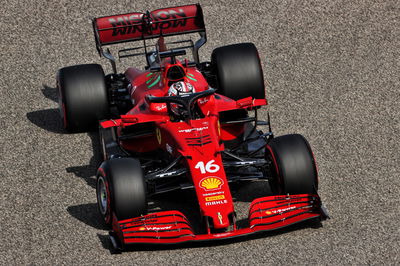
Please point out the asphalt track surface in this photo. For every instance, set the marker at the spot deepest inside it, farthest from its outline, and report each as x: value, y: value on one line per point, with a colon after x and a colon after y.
x: 332, y: 71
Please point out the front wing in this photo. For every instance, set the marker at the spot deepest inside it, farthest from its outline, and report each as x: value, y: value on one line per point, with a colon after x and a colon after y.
x: 172, y: 227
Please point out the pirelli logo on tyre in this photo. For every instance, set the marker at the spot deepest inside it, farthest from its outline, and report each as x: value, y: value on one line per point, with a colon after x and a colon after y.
x: 219, y: 197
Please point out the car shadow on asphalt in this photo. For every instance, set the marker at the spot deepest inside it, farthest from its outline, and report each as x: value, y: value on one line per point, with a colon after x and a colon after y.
x: 88, y: 214
x: 50, y: 93
x: 48, y: 119
x: 88, y: 172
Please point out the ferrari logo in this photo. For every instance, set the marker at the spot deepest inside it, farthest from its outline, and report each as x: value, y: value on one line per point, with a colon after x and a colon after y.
x: 158, y: 134
x: 220, y: 218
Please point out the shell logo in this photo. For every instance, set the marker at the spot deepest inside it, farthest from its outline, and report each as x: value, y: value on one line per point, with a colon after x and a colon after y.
x: 211, y: 183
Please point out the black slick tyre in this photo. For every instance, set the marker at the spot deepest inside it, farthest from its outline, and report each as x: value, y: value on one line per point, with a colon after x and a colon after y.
x: 121, y: 189
x: 83, y: 98
x: 293, y: 167
x: 238, y: 71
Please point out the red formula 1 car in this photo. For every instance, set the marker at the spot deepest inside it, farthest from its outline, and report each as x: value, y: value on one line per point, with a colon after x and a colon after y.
x: 184, y: 124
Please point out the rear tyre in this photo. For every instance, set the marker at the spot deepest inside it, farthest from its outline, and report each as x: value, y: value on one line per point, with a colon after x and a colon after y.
x: 293, y: 167
x: 238, y: 70
x: 83, y: 97
x: 121, y: 189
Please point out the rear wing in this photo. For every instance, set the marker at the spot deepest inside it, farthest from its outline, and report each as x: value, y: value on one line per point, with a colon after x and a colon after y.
x: 141, y: 26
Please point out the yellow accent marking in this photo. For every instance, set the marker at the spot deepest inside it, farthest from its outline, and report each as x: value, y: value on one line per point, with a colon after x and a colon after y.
x: 220, y: 197
x: 211, y: 183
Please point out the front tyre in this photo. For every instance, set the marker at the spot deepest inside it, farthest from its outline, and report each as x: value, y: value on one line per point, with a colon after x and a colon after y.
x: 121, y: 189
x: 103, y: 199
x: 293, y: 167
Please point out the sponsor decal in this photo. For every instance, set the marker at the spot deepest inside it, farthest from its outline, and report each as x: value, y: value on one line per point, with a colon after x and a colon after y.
x: 130, y: 24
x: 192, y: 129
x: 219, y: 197
x: 217, y: 202
x: 203, y: 101
x: 211, y: 183
x: 213, y: 193
x: 146, y: 218
x: 222, y: 234
x: 280, y: 210
x: 140, y: 221
x: 293, y: 197
x: 154, y: 228
x: 161, y: 107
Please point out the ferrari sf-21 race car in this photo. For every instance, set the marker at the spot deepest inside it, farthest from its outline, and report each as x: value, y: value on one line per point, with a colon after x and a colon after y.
x: 184, y: 124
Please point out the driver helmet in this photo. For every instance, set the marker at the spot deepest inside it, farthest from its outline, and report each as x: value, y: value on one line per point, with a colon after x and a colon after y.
x: 177, y: 89
x: 180, y: 88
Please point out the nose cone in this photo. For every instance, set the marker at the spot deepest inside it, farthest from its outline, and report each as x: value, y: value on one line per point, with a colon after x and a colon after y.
x: 220, y: 220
